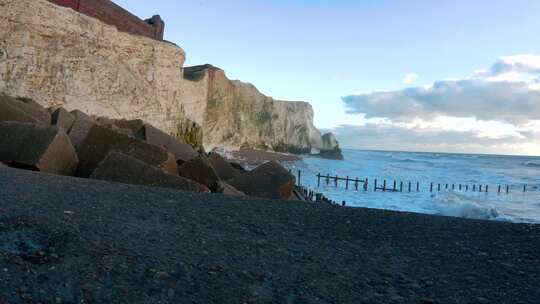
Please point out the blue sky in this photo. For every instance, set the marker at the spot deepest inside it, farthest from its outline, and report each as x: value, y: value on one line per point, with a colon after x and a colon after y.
x: 338, y: 54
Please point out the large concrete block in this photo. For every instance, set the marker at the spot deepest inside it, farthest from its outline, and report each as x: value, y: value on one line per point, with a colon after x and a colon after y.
x: 269, y: 180
x: 36, y: 110
x: 12, y: 109
x: 80, y: 128
x: 200, y: 170
x: 121, y: 168
x: 134, y: 125
x: 40, y: 148
x: 227, y: 189
x: 224, y: 169
x: 62, y: 119
x: 154, y: 136
x: 100, y: 141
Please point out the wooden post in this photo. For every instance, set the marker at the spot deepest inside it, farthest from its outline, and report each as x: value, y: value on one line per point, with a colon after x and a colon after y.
x: 480, y: 188
x: 499, y: 190
x: 453, y: 187
x: 384, y: 185
x: 446, y: 187
x: 365, y: 184
x: 466, y: 187
x: 299, y: 177
x: 487, y: 188
x: 417, y: 186
x: 473, y: 188
x: 439, y: 187
x: 347, y: 183
x: 459, y: 187
x: 507, y: 189
x: 375, y: 187
x: 394, y: 188
x: 356, y: 184
x: 431, y: 188
x: 524, y: 188
x: 319, y: 180
x: 328, y: 179
x: 409, y: 186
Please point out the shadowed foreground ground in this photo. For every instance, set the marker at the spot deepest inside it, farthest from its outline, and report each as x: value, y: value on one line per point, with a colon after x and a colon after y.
x: 64, y: 240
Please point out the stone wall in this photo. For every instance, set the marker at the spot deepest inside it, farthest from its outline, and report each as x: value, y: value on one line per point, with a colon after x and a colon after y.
x: 107, y: 11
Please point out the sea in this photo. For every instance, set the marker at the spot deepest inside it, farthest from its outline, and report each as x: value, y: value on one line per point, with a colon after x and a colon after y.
x: 437, y: 168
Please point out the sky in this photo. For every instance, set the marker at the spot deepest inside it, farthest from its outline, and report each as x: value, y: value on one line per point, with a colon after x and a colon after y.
x: 412, y: 75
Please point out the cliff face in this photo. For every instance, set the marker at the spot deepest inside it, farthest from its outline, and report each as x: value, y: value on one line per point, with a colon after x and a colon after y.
x: 234, y: 114
x: 57, y: 56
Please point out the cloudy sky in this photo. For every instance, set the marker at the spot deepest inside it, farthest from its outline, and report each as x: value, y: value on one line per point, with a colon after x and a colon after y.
x: 420, y: 75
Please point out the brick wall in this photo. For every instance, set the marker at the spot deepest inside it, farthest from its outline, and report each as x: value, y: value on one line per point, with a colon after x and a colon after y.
x: 108, y: 12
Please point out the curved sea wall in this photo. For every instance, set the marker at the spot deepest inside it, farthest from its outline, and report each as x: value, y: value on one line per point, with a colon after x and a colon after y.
x: 59, y: 57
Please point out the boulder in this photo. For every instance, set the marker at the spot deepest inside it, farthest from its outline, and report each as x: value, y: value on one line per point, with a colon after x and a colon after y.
x: 35, y: 147
x: 269, y: 180
x: 121, y: 168
x: 80, y: 128
x: 100, y: 141
x: 134, y: 125
x: 154, y: 136
x: 239, y: 168
x: 35, y: 110
x: 62, y: 119
x: 12, y: 109
x: 200, y: 170
x: 224, y: 169
x: 227, y: 189
x: 105, y: 121
x: 330, y: 147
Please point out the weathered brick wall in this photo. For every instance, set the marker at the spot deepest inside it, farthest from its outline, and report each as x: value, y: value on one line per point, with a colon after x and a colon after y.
x: 109, y: 12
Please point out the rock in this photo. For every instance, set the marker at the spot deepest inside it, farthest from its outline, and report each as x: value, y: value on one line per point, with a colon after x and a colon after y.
x: 134, y: 125
x: 224, y: 169
x: 239, y: 168
x: 121, y: 168
x: 62, y: 119
x: 35, y: 110
x: 105, y: 121
x: 269, y: 180
x: 40, y: 148
x: 80, y: 128
x: 12, y: 109
x: 154, y: 136
x: 200, y: 170
x: 330, y: 147
x: 100, y: 141
x: 227, y: 189
x: 236, y: 114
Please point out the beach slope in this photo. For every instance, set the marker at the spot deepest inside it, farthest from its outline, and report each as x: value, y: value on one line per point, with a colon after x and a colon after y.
x: 68, y: 240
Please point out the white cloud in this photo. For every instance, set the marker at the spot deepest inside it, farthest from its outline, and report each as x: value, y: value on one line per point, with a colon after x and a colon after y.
x: 410, y: 78
x: 496, y: 104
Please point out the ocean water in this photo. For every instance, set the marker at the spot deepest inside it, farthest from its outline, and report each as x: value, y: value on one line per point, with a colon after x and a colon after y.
x: 491, y: 170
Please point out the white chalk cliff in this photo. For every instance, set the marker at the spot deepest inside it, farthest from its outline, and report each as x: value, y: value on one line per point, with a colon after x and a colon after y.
x: 57, y: 56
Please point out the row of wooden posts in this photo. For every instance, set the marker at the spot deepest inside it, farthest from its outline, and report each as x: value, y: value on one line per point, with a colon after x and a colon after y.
x: 401, y: 187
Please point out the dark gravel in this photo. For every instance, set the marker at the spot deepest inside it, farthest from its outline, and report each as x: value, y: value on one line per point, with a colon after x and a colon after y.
x: 66, y: 240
